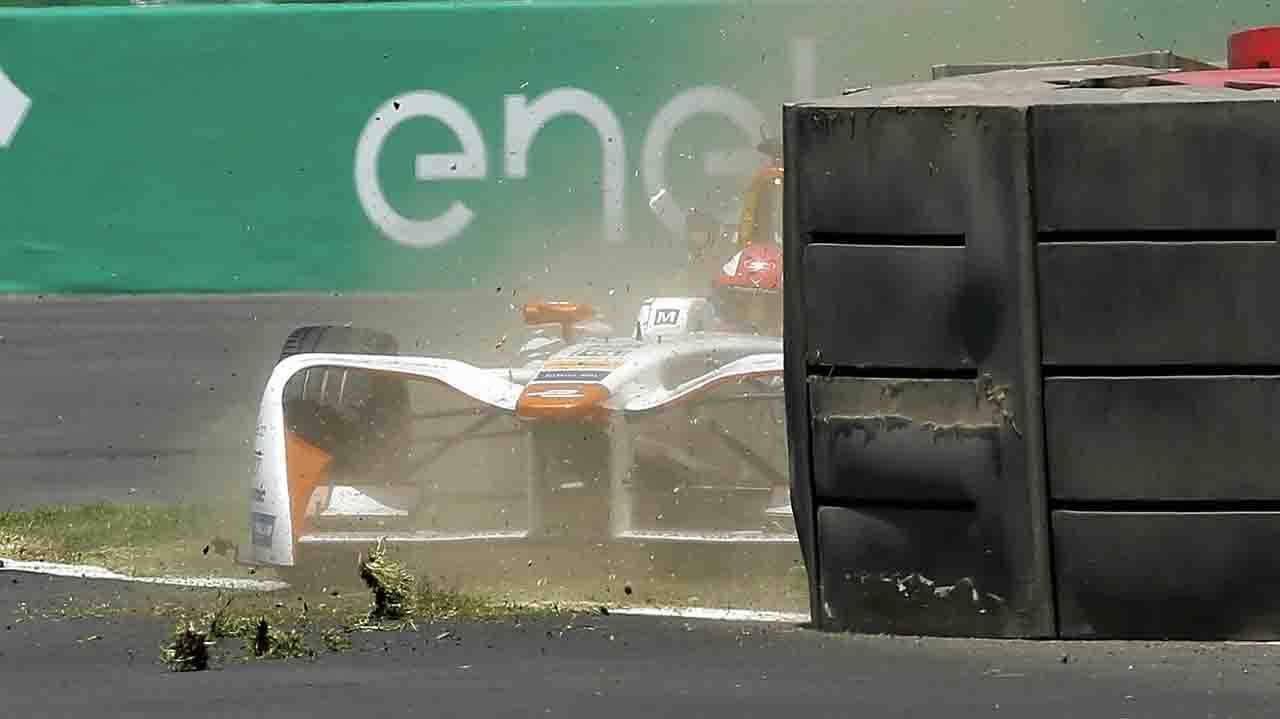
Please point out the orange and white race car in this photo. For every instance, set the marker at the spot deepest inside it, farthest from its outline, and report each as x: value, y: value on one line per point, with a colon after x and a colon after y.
x: 671, y: 431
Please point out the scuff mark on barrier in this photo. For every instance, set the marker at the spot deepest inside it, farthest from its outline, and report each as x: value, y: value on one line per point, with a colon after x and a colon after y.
x: 958, y: 430
x: 998, y: 395
x: 825, y: 120
x: 891, y: 390
x: 872, y: 425
x: 894, y: 596
x: 940, y: 406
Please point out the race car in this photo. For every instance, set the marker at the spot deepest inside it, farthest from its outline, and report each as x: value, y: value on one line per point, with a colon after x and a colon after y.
x: 669, y: 432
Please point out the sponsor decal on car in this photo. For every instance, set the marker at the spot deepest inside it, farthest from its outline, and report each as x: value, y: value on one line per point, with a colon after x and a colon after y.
x: 264, y: 528
x: 600, y: 351
x: 666, y: 317
x: 567, y: 393
x: 571, y: 375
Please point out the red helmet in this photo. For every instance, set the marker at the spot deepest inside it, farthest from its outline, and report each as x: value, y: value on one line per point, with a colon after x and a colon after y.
x: 757, y: 266
x: 748, y: 288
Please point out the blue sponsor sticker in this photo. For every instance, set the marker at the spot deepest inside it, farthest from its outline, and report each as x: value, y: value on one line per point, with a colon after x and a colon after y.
x: 571, y: 375
x: 264, y: 528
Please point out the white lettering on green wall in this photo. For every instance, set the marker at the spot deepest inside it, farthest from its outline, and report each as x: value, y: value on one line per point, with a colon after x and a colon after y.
x: 709, y: 100
x: 523, y: 119
x: 466, y: 165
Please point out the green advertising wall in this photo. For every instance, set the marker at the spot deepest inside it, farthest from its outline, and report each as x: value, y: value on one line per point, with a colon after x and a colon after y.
x: 442, y: 145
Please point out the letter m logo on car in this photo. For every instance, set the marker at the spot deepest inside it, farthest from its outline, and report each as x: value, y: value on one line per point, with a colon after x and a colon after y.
x: 666, y: 317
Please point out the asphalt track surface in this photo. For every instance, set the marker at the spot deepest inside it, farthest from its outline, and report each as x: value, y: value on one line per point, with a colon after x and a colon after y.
x: 154, y: 399
x: 607, y: 666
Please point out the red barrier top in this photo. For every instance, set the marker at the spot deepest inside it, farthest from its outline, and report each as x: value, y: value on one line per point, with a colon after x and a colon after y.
x: 1257, y: 47
x: 1237, y: 79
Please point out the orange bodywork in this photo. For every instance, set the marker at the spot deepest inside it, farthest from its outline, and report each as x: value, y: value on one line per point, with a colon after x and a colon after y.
x: 541, y: 313
x: 563, y: 402
x: 308, y: 467
x: 565, y: 314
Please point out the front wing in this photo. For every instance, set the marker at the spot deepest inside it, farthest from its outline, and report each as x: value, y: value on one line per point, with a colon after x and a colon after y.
x: 290, y: 498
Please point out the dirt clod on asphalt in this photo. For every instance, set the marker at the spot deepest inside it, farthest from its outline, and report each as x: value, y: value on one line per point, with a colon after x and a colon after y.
x: 189, y: 650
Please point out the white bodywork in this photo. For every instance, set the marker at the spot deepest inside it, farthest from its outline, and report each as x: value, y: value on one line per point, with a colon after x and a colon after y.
x: 667, y: 330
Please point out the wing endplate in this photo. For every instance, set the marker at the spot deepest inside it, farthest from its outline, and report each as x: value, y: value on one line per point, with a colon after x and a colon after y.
x: 274, y: 528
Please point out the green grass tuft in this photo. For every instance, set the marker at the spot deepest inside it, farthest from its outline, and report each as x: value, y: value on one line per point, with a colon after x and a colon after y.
x: 268, y: 642
x: 335, y: 639
x: 188, y: 651
x: 392, y: 586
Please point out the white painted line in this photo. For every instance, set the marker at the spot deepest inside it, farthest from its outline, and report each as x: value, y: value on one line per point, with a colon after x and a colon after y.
x: 410, y: 537
x: 728, y: 615
x: 696, y: 537
x: 86, y: 571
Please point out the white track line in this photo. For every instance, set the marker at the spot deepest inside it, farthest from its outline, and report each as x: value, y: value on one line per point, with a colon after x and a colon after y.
x: 85, y: 571
x: 729, y: 615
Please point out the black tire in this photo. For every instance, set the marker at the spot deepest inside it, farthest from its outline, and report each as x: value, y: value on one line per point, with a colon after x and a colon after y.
x: 354, y: 415
x: 347, y: 340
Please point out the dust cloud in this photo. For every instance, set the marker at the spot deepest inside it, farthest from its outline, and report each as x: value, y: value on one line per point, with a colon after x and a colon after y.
x: 225, y: 348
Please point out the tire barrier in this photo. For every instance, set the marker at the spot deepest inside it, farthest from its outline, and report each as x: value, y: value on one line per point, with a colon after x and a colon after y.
x: 1032, y: 360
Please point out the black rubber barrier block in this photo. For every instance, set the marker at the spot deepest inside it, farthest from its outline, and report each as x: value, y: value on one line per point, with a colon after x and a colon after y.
x: 881, y: 306
x: 1117, y: 165
x: 915, y: 259
x: 1163, y: 438
x: 1162, y: 303
x: 905, y: 571
x: 1167, y: 575
x: 904, y: 440
x: 883, y: 172
x: 896, y: 459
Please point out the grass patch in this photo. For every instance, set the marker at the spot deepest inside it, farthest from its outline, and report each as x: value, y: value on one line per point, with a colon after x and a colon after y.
x: 133, y: 539
x: 438, y: 605
x: 398, y: 599
x: 382, y: 588
x: 269, y: 642
x: 194, y: 636
x: 293, y: 626
x: 85, y: 528
x: 335, y: 640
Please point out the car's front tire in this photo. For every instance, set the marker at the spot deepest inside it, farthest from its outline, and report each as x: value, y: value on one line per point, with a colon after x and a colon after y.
x: 355, y: 415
